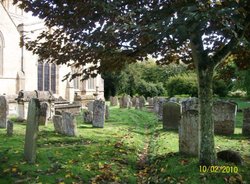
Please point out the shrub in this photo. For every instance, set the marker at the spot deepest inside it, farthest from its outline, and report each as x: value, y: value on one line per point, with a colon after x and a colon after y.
x: 237, y: 93
x: 148, y: 89
x: 182, y: 84
x: 220, y: 88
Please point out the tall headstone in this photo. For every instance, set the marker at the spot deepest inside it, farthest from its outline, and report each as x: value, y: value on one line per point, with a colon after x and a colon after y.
x: 171, y: 115
x: 31, y: 130
x: 10, y: 126
x: 88, y: 116
x: 43, y: 114
x: 189, y: 136
x: 99, y: 113
x: 3, y: 111
x: 224, y: 114
x: 246, y: 122
x: 90, y: 105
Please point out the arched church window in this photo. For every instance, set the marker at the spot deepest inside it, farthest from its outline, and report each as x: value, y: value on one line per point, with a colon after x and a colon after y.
x: 46, y: 77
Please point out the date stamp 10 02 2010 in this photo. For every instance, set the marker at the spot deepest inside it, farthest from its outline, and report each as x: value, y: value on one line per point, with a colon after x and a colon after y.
x: 218, y: 169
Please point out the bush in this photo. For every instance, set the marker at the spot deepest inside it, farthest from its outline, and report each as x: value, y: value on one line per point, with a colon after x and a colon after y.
x: 182, y: 84
x: 148, y: 89
x: 220, y: 88
x: 237, y: 93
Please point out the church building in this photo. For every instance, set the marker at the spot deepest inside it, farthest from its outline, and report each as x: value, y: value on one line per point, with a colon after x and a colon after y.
x: 20, y: 69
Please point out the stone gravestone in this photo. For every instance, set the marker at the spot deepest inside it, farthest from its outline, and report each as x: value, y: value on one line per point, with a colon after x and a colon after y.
x: 246, y: 122
x: 150, y: 101
x: 99, y: 114
x: 113, y: 101
x: 69, y: 123
x: 43, y: 114
x: 58, y: 124
x: 90, y: 105
x: 65, y: 124
x: 142, y: 102
x: 190, y: 104
x: 107, y: 112
x: 171, y: 115
x: 156, y: 104
x: 9, y: 128
x: 224, y: 114
x: 88, y: 117
x: 3, y: 111
x: 31, y: 130
x: 161, y: 102
x: 137, y: 103
x: 189, y: 136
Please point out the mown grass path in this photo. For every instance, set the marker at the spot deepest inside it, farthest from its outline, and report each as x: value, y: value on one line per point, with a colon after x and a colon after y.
x: 131, y: 148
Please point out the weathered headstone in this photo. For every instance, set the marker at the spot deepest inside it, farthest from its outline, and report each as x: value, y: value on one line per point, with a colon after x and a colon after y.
x: 31, y: 130
x: 90, y: 105
x: 58, y: 124
x: 9, y: 128
x: 246, y: 122
x: 224, y: 114
x: 113, y: 101
x: 98, y: 114
x: 3, y: 111
x: 190, y: 104
x: 65, y: 124
x: 142, y: 102
x: 156, y: 104
x: 107, y: 112
x: 171, y: 115
x: 69, y: 123
x: 161, y: 102
x: 43, y: 114
x: 88, y: 116
x: 150, y: 101
x: 189, y: 136
x: 137, y: 103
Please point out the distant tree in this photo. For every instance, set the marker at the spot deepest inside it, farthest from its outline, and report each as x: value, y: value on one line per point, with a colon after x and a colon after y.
x: 108, y: 34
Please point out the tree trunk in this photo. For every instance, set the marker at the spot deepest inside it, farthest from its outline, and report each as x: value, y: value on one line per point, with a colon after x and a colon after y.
x: 207, y: 154
x: 204, y: 70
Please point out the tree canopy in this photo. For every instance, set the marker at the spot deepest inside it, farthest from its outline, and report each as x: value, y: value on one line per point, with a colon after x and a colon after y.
x: 107, y: 34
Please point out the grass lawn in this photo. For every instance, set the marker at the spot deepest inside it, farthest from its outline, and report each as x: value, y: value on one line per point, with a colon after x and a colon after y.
x: 113, y: 154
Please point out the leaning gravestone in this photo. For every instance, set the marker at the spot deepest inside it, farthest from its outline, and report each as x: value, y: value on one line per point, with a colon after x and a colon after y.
x: 88, y: 116
x: 189, y: 137
x: 9, y: 128
x: 171, y: 115
x: 99, y: 113
x: 224, y: 114
x: 43, y: 114
x: 246, y: 122
x: 3, y: 111
x: 31, y: 130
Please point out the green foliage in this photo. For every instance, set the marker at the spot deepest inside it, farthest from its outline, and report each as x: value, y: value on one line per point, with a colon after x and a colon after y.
x: 220, y: 88
x: 149, y: 89
x: 182, y: 84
